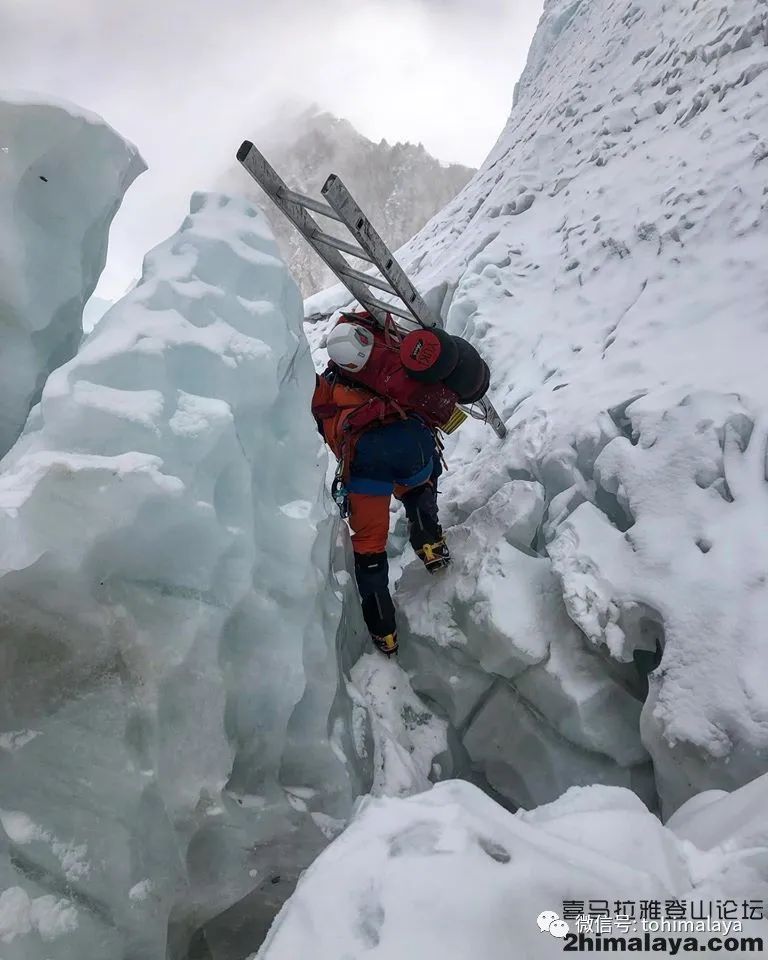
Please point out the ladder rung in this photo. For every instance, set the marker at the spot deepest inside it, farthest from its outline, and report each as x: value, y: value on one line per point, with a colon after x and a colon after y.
x: 382, y: 258
x: 372, y: 249
x: 310, y: 204
x: 277, y: 190
x: 330, y: 241
x: 372, y: 281
x: 390, y: 308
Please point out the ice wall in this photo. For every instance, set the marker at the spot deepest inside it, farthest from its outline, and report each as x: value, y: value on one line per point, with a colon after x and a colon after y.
x: 63, y: 174
x: 175, y: 744
x: 608, y: 261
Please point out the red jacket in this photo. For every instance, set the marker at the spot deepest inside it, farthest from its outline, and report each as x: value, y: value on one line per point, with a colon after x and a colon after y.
x: 334, y: 403
x: 346, y: 404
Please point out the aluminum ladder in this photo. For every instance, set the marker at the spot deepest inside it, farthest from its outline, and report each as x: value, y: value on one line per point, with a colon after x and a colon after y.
x: 368, y: 246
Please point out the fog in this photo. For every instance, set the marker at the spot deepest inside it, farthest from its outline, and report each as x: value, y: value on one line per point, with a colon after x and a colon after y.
x: 187, y: 81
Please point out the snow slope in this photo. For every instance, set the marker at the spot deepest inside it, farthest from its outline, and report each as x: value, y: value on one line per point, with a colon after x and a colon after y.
x: 608, y: 261
x: 63, y: 174
x: 176, y: 737
x: 451, y: 875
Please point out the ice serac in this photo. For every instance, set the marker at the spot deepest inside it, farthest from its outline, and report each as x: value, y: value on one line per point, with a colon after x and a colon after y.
x: 492, y: 643
x: 176, y: 742
x: 63, y: 174
x: 450, y: 873
x: 607, y: 260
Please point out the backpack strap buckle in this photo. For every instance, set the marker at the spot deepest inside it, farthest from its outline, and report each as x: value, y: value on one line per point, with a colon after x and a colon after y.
x: 339, y: 491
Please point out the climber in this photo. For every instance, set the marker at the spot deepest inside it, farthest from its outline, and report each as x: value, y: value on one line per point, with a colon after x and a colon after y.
x: 378, y: 406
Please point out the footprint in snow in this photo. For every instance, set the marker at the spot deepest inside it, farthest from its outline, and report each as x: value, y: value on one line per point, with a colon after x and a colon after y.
x: 370, y: 918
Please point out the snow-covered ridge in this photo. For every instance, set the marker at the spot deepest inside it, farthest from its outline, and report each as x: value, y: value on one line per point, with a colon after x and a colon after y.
x: 63, y: 173
x: 608, y: 261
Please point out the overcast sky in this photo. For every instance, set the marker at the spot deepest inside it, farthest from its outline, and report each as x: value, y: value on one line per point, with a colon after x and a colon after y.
x: 188, y: 80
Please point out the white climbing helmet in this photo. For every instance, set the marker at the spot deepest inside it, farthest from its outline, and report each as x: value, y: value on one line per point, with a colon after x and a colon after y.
x: 349, y: 345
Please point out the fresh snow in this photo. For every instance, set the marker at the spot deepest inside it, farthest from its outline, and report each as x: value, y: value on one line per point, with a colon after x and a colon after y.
x: 406, y: 736
x: 46, y: 916
x: 16, y: 739
x: 140, y: 891
x: 607, y: 259
x: 451, y: 875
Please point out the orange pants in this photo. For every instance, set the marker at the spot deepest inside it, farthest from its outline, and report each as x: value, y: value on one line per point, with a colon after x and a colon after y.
x: 369, y: 520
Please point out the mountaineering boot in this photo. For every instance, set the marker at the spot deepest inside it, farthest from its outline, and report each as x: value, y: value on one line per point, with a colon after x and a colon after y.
x: 372, y: 575
x: 387, y: 644
x: 435, y: 556
x: 424, y: 530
